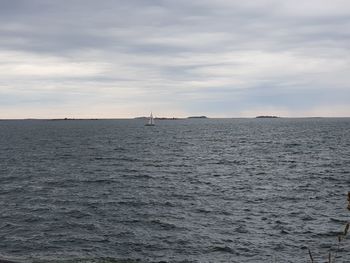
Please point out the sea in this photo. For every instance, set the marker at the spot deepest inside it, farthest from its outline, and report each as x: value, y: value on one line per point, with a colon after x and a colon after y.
x: 189, y: 190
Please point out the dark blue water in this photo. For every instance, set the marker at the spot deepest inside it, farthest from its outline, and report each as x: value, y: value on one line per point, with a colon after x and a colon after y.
x: 216, y: 190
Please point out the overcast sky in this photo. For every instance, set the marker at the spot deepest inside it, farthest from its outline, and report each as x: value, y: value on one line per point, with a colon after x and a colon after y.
x: 221, y: 58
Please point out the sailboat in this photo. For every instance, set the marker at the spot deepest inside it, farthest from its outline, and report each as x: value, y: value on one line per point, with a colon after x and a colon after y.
x: 150, y: 121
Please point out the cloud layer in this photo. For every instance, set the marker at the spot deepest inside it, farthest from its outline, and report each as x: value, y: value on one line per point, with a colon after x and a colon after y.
x: 88, y: 58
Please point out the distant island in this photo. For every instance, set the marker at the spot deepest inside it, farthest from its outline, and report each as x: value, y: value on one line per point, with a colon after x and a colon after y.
x: 166, y: 118
x: 197, y: 117
x: 73, y: 119
x: 171, y: 118
x: 266, y: 117
x: 158, y: 118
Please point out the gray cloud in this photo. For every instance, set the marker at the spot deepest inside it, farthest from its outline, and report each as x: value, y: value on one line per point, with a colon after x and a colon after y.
x: 222, y: 58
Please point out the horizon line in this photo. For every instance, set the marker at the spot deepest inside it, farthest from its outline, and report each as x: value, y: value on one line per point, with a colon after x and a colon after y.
x: 174, y: 118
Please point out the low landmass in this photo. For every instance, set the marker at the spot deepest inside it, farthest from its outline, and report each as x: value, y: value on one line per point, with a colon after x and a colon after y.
x: 72, y: 119
x: 171, y: 118
x: 266, y: 117
x: 166, y: 118
x: 158, y: 118
x: 197, y: 117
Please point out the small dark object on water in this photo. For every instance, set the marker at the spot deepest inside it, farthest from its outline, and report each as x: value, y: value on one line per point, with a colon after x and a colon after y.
x: 348, y: 200
x: 6, y: 261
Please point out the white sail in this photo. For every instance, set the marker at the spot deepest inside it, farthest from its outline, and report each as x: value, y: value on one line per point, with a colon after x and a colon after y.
x: 150, y: 120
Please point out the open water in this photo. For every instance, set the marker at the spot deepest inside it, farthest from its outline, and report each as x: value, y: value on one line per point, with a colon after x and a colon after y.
x: 196, y: 190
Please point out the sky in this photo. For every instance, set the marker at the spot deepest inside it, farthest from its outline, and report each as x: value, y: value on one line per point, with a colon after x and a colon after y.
x: 220, y: 58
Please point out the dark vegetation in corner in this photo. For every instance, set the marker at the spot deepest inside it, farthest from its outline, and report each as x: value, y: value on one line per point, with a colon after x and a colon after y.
x: 341, y: 237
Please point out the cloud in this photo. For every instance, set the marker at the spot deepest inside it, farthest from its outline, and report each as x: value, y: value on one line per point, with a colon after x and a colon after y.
x: 223, y: 57
x: 28, y: 65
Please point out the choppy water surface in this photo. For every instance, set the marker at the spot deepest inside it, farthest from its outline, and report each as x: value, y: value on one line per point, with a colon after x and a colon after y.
x: 229, y: 190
